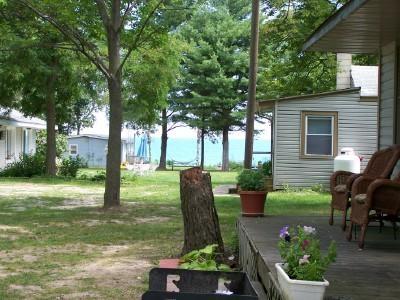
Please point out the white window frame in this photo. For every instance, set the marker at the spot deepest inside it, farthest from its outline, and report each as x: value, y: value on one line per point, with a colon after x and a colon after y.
x: 304, y: 133
x: 26, y: 137
x: 77, y: 151
x: 9, y: 150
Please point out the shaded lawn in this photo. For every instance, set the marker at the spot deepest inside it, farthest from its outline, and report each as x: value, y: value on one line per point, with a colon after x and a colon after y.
x: 55, y: 241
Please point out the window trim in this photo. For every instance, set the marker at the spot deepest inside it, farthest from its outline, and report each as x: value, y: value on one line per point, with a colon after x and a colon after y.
x: 69, y: 149
x: 9, y: 143
x: 26, y: 137
x: 304, y: 115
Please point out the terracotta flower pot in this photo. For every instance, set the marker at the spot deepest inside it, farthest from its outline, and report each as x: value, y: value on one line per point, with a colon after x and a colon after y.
x: 253, y: 203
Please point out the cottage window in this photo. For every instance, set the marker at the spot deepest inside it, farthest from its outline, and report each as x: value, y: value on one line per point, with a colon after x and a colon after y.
x: 73, y: 149
x: 319, y: 134
x: 9, y: 144
x: 25, y: 141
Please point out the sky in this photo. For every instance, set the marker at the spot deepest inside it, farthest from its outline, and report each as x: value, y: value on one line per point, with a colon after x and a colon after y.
x: 101, y: 127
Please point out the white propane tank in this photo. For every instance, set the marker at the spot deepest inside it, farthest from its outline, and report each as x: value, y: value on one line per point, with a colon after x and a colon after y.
x: 347, y: 161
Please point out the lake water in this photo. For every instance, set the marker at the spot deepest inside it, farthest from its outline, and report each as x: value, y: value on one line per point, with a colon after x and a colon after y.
x: 184, y: 150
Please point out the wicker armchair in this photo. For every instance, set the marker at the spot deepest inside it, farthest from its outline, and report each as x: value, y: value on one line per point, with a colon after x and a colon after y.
x: 382, y: 196
x: 380, y: 165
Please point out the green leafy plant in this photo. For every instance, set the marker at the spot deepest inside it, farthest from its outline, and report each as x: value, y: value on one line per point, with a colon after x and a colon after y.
x: 301, y: 253
x: 129, y: 177
x: 235, y: 166
x: 26, y: 166
x: 251, y: 180
x: 266, y: 168
x: 318, y: 188
x: 203, y: 259
x: 69, y: 166
x: 41, y: 142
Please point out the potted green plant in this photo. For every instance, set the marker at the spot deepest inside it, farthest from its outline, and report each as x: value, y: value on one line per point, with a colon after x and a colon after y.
x: 301, y: 275
x: 266, y: 170
x: 252, y: 192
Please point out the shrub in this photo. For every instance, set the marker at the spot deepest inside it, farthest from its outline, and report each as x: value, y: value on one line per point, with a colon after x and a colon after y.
x: 301, y: 253
x: 69, y: 166
x: 41, y: 142
x: 251, y: 180
x: 27, y: 166
x: 266, y: 168
x: 235, y: 166
x: 98, y: 176
x: 318, y: 188
x: 129, y: 177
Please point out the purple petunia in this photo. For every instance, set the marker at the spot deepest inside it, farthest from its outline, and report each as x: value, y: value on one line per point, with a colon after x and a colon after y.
x: 284, y: 232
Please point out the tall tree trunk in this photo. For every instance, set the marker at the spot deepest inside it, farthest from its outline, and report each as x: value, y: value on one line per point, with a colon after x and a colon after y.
x: 202, y: 149
x: 200, y: 218
x: 113, y: 171
x: 51, y: 168
x: 164, y: 141
x: 149, y: 145
x: 251, y: 102
x: 225, y: 149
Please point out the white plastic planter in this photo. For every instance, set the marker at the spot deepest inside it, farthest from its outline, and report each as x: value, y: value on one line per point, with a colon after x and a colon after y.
x: 300, y: 289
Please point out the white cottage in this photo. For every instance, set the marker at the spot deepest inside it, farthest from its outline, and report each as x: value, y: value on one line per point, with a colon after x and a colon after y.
x: 17, y: 135
x: 309, y: 130
x: 371, y: 27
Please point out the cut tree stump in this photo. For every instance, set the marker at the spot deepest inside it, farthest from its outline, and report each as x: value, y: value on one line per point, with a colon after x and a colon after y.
x: 200, y: 218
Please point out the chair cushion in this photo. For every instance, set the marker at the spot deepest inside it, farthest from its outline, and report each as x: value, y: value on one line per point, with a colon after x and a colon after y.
x: 360, y: 198
x: 396, y: 171
x: 341, y: 188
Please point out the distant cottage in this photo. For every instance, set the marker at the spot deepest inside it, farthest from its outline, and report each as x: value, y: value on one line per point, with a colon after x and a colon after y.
x: 17, y: 135
x: 309, y: 130
x: 93, y: 148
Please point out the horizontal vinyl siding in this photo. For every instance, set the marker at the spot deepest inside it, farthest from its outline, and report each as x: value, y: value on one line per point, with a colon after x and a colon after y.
x: 387, y: 93
x: 357, y: 128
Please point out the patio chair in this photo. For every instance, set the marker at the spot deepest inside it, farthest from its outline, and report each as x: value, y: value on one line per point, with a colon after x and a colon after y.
x: 382, y: 197
x: 380, y: 165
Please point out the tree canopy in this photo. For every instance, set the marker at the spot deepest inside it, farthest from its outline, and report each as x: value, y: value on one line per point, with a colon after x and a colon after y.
x: 285, y: 68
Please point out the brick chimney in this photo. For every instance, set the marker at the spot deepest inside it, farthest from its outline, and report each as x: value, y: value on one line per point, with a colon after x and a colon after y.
x: 343, y: 75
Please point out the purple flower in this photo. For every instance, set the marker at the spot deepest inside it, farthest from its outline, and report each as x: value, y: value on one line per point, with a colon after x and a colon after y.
x: 284, y: 232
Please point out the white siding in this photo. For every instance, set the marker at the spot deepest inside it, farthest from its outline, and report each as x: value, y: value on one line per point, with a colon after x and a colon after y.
x: 387, y: 95
x: 357, y: 128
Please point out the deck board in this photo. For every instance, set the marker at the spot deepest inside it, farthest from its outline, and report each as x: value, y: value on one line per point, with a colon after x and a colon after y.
x: 373, y: 273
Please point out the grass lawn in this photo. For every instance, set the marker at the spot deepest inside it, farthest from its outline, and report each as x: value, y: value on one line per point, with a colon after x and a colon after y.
x: 57, y: 243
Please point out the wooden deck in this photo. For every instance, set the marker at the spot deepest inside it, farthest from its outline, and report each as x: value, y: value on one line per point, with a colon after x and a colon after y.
x: 373, y: 273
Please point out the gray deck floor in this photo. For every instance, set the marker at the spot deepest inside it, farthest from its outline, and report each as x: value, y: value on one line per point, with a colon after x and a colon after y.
x: 373, y: 273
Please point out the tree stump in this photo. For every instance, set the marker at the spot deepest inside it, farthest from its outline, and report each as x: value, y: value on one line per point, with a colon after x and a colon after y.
x: 200, y: 218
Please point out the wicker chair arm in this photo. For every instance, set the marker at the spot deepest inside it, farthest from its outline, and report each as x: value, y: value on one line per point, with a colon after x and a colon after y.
x: 389, y: 187
x: 351, y: 179
x: 339, y: 177
x: 361, y: 184
x: 382, y: 183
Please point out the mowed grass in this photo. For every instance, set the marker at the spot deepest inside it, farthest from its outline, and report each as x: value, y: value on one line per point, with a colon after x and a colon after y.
x: 56, y: 242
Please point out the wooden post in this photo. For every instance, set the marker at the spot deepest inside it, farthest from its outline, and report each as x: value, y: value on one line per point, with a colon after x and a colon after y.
x: 251, y: 103
x: 200, y: 218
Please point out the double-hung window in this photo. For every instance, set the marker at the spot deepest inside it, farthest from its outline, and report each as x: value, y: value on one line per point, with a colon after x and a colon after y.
x: 9, y: 144
x: 26, y: 140
x: 73, y: 149
x: 319, y: 134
